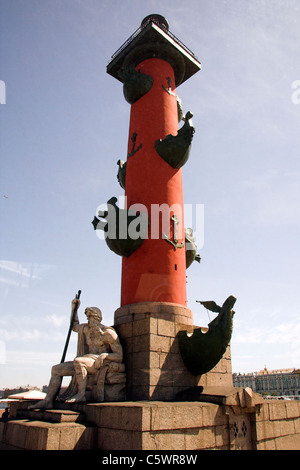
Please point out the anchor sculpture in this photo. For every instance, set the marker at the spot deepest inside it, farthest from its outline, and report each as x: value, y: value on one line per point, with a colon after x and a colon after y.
x: 202, y: 351
x: 169, y: 89
x: 175, y: 242
x: 133, y: 148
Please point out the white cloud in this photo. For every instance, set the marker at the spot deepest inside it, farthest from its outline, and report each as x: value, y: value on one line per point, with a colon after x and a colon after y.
x: 30, y: 335
x: 20, y: 274
x: 283, y: 333
x: 8, y: 335
x: 30, y: 357
x: 55, y: 320
x: 11, y: 282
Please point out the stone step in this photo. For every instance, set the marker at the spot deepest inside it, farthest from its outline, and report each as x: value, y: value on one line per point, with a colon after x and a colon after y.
x: 51, y: 416
x: 24, y: 434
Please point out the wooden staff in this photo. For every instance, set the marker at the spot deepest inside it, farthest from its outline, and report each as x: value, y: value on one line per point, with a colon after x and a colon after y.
x: 70, y: 328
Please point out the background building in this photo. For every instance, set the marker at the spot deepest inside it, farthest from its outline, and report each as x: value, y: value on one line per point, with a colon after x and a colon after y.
x: 283, y: 382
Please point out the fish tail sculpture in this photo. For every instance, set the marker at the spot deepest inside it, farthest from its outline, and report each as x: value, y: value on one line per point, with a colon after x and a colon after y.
x: 201, y: 351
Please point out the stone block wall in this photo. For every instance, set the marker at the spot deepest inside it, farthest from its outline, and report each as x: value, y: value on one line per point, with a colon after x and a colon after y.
x: 23, y: 434
x: 191, y: 425
x: 157, y: 425
x: 277, y: 425
x: 161, y: 426
x: 154, y: 367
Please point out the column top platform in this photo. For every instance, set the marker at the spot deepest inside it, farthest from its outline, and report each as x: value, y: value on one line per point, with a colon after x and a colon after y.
x: 154, y: 40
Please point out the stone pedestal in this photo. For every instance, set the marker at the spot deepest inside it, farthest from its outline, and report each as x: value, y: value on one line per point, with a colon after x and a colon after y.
x: 64, y: 429
x: 154, y: 367
x: 221, y: 419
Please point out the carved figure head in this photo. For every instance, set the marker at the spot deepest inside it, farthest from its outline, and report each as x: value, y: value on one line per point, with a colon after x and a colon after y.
x: 94, y: 312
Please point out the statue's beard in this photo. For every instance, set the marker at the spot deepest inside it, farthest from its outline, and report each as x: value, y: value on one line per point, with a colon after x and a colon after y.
x: 95, y: 330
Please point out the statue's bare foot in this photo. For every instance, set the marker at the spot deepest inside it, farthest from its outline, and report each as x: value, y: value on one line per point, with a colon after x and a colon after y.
x: 45, y: 404
x: 78, y: 398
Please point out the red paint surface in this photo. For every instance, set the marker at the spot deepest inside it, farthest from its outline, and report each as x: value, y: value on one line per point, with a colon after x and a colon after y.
x: 156, y: 271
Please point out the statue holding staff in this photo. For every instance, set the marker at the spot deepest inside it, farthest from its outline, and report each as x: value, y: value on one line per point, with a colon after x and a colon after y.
x: 99, y: 353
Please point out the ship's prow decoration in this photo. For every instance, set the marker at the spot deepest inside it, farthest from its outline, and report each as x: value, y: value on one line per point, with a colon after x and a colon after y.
x: 175, y: 150
x: 118, y: 229
x: 191, y: 254
x: 135, y: 84
x: 201, y: 351
x: 121, y: 175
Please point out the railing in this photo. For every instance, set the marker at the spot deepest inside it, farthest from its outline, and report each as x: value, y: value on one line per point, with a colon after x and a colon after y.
x: 163, y: 28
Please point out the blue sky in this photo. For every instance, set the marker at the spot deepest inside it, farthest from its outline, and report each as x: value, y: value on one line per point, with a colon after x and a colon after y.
x: 64, y: 125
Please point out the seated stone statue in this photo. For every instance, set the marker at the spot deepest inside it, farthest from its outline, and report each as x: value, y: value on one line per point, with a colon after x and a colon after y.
x: 98, y: 361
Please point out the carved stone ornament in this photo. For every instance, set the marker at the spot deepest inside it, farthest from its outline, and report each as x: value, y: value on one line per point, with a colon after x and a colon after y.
x: 201, y: 351
x: 175, y: 150
x: 124, y: 230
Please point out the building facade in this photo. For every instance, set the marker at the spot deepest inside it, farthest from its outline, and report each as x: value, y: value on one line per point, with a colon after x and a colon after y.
x: 284, y: 382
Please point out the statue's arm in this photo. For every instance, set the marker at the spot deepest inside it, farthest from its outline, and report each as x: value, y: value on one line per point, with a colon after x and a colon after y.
x: 115, y: 350
x: 116, y: 354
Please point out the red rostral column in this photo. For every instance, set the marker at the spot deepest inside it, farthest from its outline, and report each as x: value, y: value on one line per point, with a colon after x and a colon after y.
x: 156, y: 271
x: 151, y: 64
